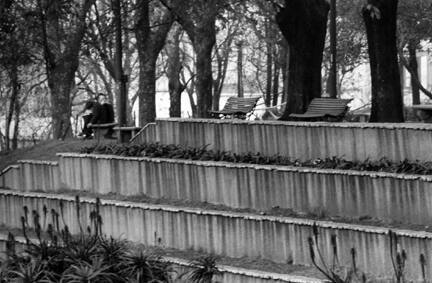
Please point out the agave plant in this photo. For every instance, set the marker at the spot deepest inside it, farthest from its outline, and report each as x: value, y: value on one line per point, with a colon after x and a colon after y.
x: 146, y: 267
x: 81, y: 248
x: 112, y: 252
x: 205, y: 269
x: 32, y: 272
x: 84, y: 272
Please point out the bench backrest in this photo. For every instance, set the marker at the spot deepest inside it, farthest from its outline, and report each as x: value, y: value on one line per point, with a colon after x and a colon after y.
x: 328, y: 106
x: 240, y: 104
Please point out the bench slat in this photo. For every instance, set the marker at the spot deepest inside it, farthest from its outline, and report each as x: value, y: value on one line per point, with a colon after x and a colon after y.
x: 322, y: 107
x: 238, y: 106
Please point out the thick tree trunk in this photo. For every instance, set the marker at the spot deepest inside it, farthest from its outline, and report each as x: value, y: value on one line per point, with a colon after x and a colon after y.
x: 204, y: 40
x: 173, y: 71
x: 380, y: 20
x: 60, y: 84
x: 412, y: 50
x: 150, y: 42
x: 198, y: 19
x: 303, y: 23
x: 61, y: 60
x: 147, y: 90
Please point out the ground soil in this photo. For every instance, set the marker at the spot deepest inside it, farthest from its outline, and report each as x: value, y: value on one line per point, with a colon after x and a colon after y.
x: 45, y: 150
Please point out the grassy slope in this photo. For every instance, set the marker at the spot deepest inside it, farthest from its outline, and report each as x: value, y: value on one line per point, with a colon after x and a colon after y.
x: 45, y: 150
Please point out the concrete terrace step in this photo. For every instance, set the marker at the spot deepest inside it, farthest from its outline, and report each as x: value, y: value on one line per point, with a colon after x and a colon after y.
x: 302, y: 140
x: 389, y: 197
x: 230, y: 273
x: 231, y: 234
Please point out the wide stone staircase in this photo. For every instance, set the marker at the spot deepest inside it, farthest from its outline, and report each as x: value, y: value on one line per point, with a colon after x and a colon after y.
x: 257, y: 218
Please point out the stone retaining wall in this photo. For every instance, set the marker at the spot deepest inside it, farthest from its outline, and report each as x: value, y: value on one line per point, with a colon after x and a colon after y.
x: 302, y: 140
x: 281, y: 239
x: 348, y: 193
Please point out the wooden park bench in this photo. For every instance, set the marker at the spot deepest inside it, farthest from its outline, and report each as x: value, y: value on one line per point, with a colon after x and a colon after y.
x: 423, y: 112
x: 324, y: 109
x: 237, y: 107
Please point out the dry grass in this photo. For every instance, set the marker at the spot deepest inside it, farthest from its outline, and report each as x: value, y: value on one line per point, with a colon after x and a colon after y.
x: 45, y: 150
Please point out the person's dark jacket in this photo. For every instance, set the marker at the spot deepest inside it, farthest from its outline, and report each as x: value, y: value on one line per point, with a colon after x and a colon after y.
x: 102, y: 114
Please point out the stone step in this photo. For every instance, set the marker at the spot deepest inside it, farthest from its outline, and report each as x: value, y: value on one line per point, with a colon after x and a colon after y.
x: 302, y: 140
x: 232, y: 234
x: 386, y: 196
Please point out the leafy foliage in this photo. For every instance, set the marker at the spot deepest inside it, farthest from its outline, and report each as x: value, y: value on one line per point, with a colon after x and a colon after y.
x: 175, y: 151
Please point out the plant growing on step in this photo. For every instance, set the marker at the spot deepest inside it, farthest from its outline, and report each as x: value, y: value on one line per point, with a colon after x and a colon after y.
x: 398, y: 257
x: 202, y: 153
x: 53, y: 254
x: 205, y: 269
x: 333, y: 272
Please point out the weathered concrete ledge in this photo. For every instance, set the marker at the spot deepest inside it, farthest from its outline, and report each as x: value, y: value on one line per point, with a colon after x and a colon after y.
x: 302, y: 140
x: 33, y: 175
x: 280, y: 239
x: 9, y: 177
x: 349, y: 193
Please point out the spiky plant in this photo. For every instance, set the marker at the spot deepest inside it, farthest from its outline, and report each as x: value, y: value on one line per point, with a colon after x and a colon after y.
x: 334, y: 273
x: 398, y: 257
x: 31, y: 272
x: 112, y: 252
x: 96, y: 272
x: 205, y: 269
x: 145, y: 267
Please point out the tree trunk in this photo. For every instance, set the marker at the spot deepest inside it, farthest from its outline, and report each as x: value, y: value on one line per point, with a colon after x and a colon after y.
x: 304, y: 25
x: 284, y: 69
x: 150, y: 42
x: 275, y: 90
x: 269, y: 63
x: 13, y: 100
x: 204, y: 40
x: 120, y: 78
x: 240, y: 86
x: 61, y: 60
x: 412, y: 50
x: 60, y: 84
x: 173, y: 71
x: 218, y: 82
x: 147, y: 90
x: 380, y: 20
x: 16, y: 125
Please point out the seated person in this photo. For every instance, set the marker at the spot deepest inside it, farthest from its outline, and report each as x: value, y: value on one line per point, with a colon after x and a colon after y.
x: 87, y: 117
x: 103, y: 113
